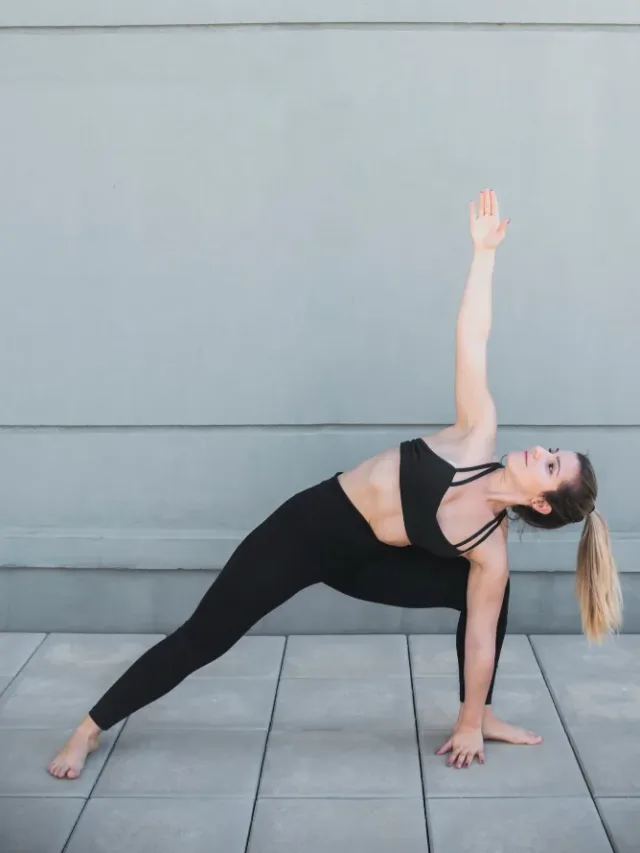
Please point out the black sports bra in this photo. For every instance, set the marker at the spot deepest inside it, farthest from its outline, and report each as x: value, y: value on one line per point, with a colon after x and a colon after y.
x: 424, y: 480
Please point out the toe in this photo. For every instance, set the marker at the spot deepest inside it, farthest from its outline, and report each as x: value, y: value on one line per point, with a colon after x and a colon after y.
x: 58, y: 768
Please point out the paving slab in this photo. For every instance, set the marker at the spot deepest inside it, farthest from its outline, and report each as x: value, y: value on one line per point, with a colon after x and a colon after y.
x: 89, y: 652
x: 184, y: 763
x: 37, y: 825
x: 522, y: 701
x: 547, y: 769
x: 573, y: 655
x: 27, y: 752
x: 210, y: 703
x: 610, y: 756
x: 51, y: 701
x: 357, y: 656
x: 622, y: 818
x: 343, y: 703
x: 251, y: 657
x: 596, y: 700
x: 15, y: 651
x: 513, y: 825
x: 338, y: 826
x: 341, y: 769
x: 66, y: 675
x: 341, y: 764
x: 162, y: 826
x: 435, y: 654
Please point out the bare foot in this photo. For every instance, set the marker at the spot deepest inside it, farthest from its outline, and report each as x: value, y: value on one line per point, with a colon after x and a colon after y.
x: 495, y: 729
x: 69, y: 762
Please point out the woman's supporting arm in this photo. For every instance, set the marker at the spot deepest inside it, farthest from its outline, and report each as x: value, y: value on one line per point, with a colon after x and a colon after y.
x: 485, y: 593
x: 488, y: 576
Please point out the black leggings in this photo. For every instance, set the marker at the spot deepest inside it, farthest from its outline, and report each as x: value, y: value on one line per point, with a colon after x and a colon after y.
x: 317, y: 536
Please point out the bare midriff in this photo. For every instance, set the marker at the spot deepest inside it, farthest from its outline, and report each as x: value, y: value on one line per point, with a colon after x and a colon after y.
x: 373, y: 487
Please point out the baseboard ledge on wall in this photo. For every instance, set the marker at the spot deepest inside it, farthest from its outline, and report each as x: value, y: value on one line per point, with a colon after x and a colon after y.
x: 108, y: 600
x: 166, y: 550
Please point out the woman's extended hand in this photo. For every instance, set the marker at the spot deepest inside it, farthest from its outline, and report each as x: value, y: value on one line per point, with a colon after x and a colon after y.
x: 464, y: 744
x: 487, y: 232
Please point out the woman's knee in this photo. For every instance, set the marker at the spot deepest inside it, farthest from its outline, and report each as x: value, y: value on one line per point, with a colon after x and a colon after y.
x: 195, y: 643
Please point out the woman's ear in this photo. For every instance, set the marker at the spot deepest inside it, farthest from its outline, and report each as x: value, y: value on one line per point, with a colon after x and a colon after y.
x: 541, y: 505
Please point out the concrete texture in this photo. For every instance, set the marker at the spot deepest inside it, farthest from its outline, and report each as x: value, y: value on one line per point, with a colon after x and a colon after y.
x: 182, y: 239
x: 340, y: 825
x: 197, y: 491
x: 338, y: 763
x: 196, y: 825
x: 622, y: 817
x: 37, y: 825
x: 197, y: 261
x: 165, y: 13
x: 106, y: 601
x: 514, y: 825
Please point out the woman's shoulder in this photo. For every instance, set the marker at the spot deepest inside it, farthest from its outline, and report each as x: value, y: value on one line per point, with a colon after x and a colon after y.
x: 493, y: 552
x: 462, y: 446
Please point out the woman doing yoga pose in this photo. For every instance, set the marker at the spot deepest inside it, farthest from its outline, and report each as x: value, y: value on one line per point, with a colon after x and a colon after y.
x: 419, y: 525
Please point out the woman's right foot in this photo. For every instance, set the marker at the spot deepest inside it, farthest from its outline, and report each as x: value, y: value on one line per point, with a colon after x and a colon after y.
x: 69, y: 762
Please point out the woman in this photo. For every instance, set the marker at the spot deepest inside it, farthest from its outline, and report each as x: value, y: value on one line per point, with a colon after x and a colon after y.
x: 384, y: 532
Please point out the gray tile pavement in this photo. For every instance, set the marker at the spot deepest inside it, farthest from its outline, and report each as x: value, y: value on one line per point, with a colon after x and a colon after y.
x: 311, y: 743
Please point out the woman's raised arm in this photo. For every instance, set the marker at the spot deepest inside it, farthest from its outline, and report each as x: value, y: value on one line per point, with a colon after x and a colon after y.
x: 474, y: 404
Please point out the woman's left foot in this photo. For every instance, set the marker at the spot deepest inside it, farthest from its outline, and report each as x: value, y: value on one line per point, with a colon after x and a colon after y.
x: 495, y: 729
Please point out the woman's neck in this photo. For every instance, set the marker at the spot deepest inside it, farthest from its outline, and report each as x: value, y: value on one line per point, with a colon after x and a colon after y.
x: 499, y: 492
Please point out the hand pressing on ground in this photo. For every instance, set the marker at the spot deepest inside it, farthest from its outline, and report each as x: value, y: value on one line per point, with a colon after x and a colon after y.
x: 465, y: 744
x: 461, y: 742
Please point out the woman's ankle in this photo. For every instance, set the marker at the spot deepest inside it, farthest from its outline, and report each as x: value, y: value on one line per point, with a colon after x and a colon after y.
x: 89, y: 727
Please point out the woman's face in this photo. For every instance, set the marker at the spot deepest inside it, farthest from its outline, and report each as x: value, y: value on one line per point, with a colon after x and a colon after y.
x: 535, y: 471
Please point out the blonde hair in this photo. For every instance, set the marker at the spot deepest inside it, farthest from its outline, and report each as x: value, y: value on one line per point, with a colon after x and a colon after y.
x: 597, y: 582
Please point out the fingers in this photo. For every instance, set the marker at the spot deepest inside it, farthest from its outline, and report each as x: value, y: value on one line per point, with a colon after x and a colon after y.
x: 459, y: 756
x: 445, y: 747
x: 487, y: 204
x: 463, y: 758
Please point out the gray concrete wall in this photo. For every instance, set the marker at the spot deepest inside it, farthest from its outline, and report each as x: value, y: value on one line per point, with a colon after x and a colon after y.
x: 234, y: 239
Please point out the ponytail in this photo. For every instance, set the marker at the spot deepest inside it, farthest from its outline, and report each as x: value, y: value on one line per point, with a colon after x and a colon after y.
x: 597, y: 581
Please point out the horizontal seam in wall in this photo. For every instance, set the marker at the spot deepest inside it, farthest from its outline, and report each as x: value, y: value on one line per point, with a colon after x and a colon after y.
x: 372, y: 427
x: 209, y: 533
x: 542, y: 26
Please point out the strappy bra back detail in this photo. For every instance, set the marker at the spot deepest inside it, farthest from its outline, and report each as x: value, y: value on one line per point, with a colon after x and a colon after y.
x: 425, y: 478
